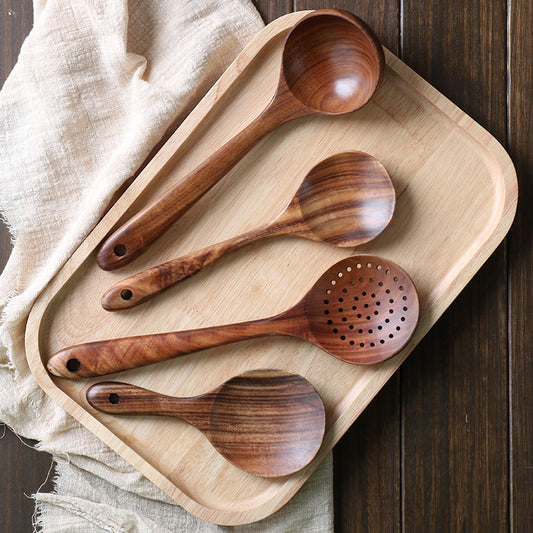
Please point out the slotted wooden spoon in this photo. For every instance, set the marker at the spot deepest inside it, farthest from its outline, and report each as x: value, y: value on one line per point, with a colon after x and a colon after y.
x: 362, y: 310
x: 345, y: 200
x: 268, y: 423
x: 332, y: 63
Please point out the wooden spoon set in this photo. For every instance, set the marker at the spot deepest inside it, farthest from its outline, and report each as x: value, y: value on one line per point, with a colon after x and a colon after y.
x: 362, y: 310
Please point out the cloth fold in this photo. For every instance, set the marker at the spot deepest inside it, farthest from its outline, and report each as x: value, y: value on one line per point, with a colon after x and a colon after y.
x: 96, y: 86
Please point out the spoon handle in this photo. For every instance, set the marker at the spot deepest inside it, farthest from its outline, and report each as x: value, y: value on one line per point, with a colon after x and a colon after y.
x: 105, y: 357
x: 128, y: 242
x: 113, y: 397
x: 144, y: 285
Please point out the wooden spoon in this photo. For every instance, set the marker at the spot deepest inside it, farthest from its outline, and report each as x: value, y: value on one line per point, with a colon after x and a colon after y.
x: 362, y: 310
x: 269, y: 423
x: 332, y: 63
x: 345, y: 200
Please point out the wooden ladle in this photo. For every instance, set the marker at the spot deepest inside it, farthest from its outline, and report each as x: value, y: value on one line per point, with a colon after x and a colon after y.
x: 362, y: 310
x: 332, y: 63
x: 268, y: 423
x: 345, y: 200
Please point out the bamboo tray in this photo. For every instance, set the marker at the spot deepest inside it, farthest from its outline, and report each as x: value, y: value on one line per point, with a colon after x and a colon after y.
x: 457, y: 196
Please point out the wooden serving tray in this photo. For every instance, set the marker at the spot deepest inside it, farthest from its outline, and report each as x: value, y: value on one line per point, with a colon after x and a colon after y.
x: 457, y: 195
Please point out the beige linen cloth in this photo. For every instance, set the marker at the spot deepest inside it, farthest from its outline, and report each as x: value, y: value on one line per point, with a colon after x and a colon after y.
x: 96, y: 86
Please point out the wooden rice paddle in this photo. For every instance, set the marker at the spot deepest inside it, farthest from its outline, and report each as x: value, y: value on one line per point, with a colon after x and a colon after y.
x: 362, y: 310
x: 345, y: 200
x: 332, y: 63
x: 268, y: 423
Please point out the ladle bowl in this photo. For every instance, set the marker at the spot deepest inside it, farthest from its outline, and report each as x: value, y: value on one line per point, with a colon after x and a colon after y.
x: 332, y: 64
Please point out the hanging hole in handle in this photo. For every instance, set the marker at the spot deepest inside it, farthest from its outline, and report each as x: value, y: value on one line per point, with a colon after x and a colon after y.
x: 126, y: 294
x: 73, y: 365
x: 119, y: 250
x: 114, y: 398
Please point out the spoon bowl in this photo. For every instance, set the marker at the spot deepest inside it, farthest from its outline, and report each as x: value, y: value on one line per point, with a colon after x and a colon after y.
x: 268, y: 423
x: 345, y: 200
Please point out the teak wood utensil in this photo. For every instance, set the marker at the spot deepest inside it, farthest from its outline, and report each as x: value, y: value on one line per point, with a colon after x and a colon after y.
x: 346, y: 200
x: 459, y: 203
x: 268, y: 423
x: 362, y: 310
x: 332, y: 63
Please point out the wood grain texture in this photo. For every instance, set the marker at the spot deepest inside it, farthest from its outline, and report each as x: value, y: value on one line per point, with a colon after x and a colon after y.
x: 457, y: 237
x: 268, y: 423
x: 369, y: 459
x: 345, y: 200
x: 331, y: 64
x: 368, y: 485
x: 520, y: 259
x: 362, y: 310
x: 466, y: 444
x: 24, y: 471
x: 271, y: 10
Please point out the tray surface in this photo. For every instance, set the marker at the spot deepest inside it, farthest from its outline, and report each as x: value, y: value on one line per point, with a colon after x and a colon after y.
x: 456, y: 190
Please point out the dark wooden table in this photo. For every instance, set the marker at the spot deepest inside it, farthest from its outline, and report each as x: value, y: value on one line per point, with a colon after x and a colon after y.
x: 447, y: 445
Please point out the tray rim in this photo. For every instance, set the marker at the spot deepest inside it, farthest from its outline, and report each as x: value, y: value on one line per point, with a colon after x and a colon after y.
x: 33, y: 333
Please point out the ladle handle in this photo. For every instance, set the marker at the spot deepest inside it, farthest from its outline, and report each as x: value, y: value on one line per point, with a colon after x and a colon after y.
x: 105, y: 357
x: 114, y: 397
x: 140, y: 287
x: 128, y: 242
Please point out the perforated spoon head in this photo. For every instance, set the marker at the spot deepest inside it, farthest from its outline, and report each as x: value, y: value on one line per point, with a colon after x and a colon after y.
x: 332, y: 61
x: 364, y: 309
x: 347, y: 199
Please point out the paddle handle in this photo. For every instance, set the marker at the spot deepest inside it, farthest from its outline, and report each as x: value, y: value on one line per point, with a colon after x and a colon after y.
x: 105, y: 357
x: 114, y: 397
x: 129, y: 241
